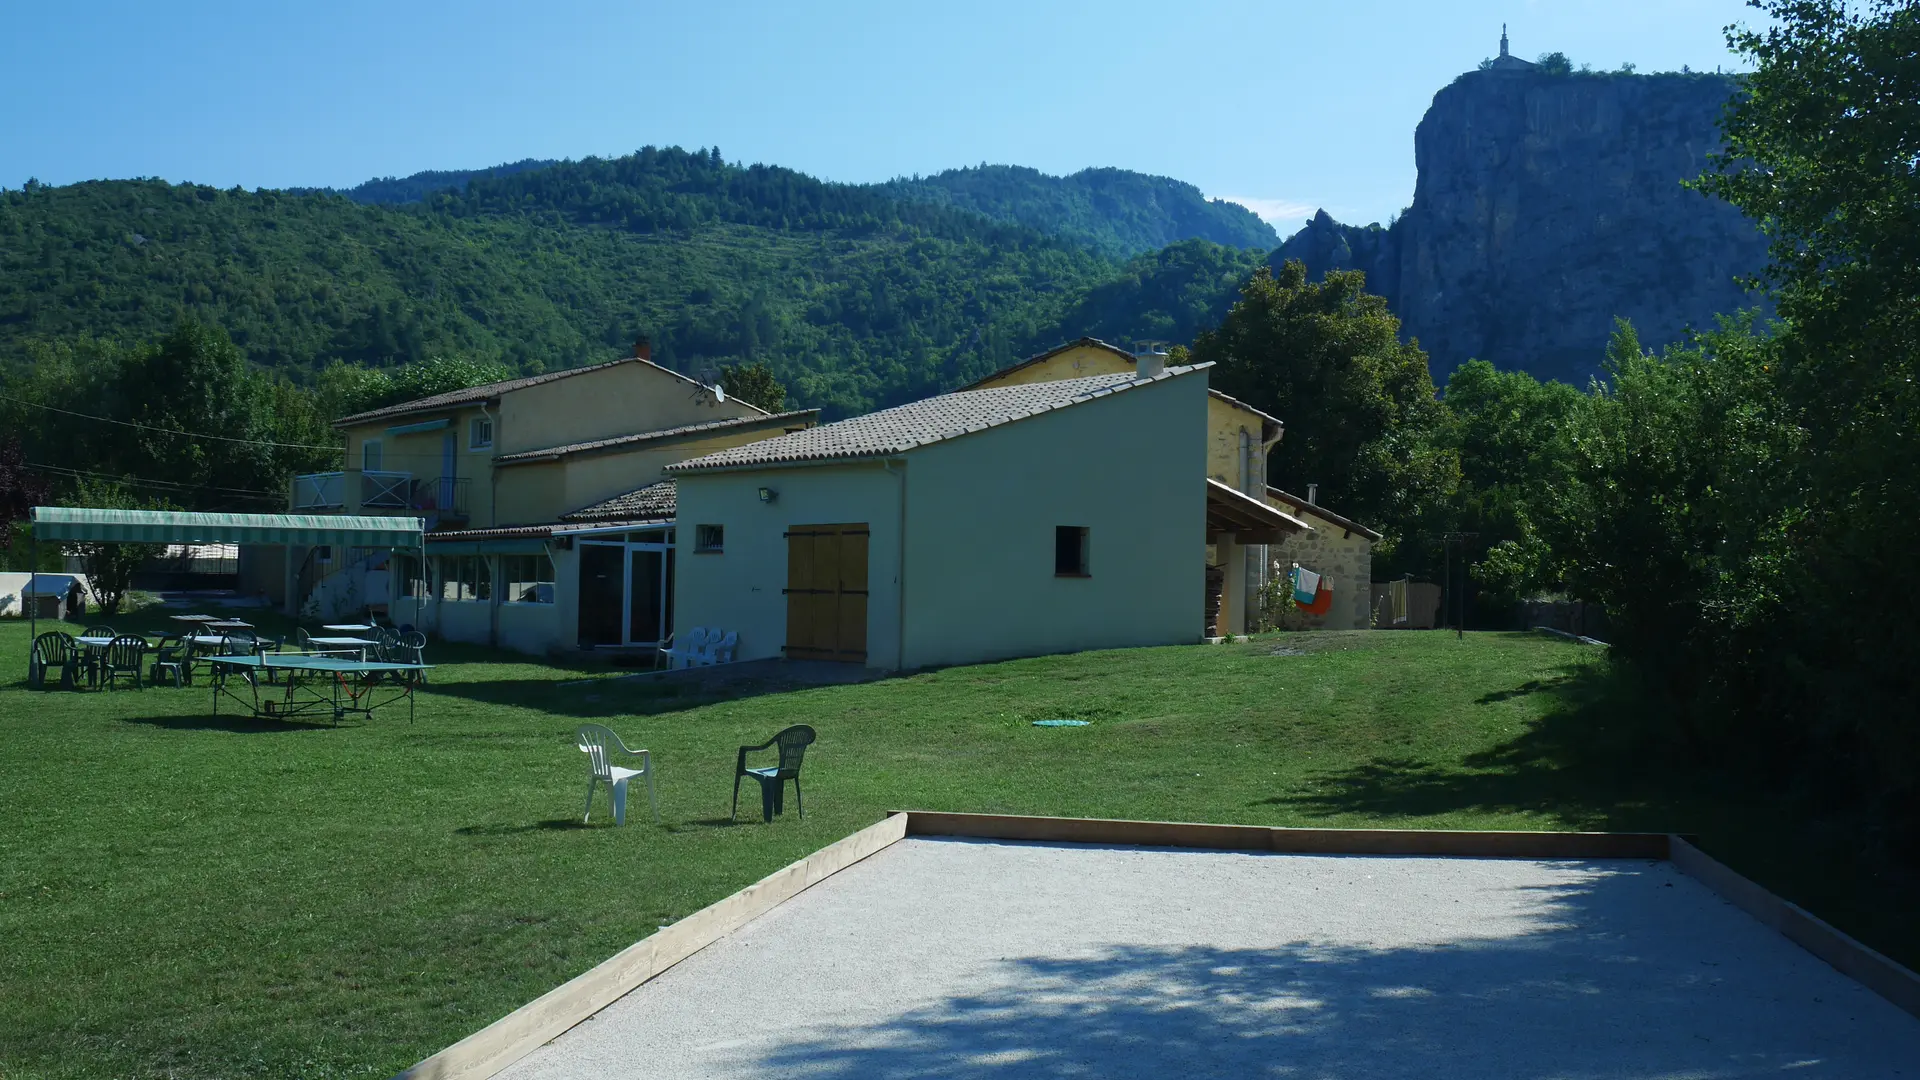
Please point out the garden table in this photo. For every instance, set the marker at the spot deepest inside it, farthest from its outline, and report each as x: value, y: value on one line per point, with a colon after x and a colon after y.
x: 350, y: 628
x: 346, y: 686
x: 360, y: 643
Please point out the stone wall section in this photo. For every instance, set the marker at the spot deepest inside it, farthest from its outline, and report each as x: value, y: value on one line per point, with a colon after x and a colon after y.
x: 1336, y: 552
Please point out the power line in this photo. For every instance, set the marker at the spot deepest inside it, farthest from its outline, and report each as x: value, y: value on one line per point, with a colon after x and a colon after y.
x: 170, y: 431
x: 167, y: 484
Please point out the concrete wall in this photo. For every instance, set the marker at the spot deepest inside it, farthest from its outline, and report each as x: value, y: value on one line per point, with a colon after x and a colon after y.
x: 1075, y: 363
x: 1331, y: 550
x: 979, y: 557
x: 981, y: 514
x: 740, y: 588
x: 538, y: 492
x: 1225, y: 420
x: 530, y: 628
x: 464, y: 620
x: 619, y: 400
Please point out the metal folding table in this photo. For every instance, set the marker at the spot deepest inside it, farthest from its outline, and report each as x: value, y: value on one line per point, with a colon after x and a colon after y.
x: 338, y: 686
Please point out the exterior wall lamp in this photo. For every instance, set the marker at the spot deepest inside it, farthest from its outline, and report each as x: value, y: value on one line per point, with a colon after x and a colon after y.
x: 767, y: 495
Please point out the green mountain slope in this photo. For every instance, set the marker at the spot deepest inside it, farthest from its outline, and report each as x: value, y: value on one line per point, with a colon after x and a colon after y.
x: 394, y: 190
x: 1117, y: 212
x: 855, y: 298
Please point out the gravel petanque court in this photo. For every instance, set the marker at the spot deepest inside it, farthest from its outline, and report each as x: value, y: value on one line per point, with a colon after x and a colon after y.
x: 990, y: 959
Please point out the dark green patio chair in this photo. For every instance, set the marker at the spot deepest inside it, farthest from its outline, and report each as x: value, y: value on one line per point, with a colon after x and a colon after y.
x: 125, y: 659
x: 172, y: 661
x: 793, y: 743
x: 54, y: 650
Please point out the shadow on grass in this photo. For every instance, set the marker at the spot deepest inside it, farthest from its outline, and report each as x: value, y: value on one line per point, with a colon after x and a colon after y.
x: 1596, y: 759
x: 552, y: 825
x: 245, y: 725
x: 1545, y: 987
x: 653, y: 693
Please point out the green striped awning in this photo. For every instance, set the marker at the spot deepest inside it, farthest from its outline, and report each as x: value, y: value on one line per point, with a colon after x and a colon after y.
x: 181, y: 527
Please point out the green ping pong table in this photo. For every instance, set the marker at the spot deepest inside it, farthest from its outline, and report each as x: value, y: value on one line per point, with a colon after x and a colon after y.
x: 330, y: 686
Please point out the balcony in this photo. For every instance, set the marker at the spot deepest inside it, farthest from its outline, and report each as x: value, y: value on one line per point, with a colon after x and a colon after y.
x: 441, y: 498
x: 444, y: 497
x: 328, y: 490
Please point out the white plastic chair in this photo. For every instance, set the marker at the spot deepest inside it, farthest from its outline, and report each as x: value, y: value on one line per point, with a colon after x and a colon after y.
x: 687, y: 653
x: 598, y: 743
x: 721, y: 652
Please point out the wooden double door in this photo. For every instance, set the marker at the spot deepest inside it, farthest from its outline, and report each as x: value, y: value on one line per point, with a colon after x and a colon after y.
x: 827, y: 592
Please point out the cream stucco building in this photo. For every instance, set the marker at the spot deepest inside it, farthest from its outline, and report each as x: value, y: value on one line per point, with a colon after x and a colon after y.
x: 1239, y: 560
x: 1010, y: 520
x: 549, y: 514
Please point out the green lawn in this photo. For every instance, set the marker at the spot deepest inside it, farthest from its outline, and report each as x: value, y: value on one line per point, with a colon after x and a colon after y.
x: 181, y: 896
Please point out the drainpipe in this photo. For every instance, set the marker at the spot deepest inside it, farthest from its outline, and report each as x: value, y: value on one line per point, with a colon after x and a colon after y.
x: 493, y: 475
x: 1254, y: 572
x: 900, y: 617
x: 493, y: 521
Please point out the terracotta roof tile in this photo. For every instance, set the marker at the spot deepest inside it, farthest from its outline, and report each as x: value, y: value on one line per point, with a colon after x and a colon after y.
x: 905, y: 427
x: 654, y: 436
x: 489, y: 391
x: 655, y: 502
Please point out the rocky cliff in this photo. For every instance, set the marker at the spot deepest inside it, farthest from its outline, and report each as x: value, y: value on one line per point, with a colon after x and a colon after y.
x: 1545, y: 206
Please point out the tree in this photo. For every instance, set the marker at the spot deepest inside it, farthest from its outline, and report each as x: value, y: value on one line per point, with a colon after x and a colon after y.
x: 1821, y: 152
x: 754, y: 384
x: 1362, y: 419
x: 1512, y: 434
x: 1554, y: 63
x: 110, y: 567
x: 20, y: 489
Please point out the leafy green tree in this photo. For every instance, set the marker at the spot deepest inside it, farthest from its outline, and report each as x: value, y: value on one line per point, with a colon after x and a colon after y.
x: 1512, y: 433
x: 1670, y: 515
x: 110, y: 567
x: 1554, y: 63
x: 1362, y: 418
x: 1821, y: 152
x: 21, y: 489
x: 754, y: 384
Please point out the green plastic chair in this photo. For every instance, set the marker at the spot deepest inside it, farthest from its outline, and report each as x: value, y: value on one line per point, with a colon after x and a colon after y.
x: 793, y: 743
x: 172, y: 661
x: 124, y: 659
x: 53, y: 649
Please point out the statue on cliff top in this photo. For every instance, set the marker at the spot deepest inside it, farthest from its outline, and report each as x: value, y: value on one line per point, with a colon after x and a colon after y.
x: 1506, y: 61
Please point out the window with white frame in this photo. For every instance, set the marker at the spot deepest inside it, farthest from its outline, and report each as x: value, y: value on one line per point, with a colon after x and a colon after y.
x: 413, y: 577
x: 465, y: 577
x: 528, y: 579
x: 709, y: 539
x: 479, y: 433
x: 370, y: 455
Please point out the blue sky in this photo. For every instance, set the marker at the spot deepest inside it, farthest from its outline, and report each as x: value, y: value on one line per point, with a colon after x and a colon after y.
x: 1283, y: 106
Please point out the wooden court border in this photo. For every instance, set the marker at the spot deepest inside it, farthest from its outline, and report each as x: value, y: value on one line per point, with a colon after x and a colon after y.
x: 491, y: 1049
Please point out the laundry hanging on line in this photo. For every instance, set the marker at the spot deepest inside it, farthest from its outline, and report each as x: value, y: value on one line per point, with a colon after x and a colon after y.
x: 1306, y: 585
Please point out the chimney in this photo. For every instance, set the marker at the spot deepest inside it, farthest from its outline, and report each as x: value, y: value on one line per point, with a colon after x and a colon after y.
x: 643, y: 350
x: 1149, y: 362
x: 1313, y: 494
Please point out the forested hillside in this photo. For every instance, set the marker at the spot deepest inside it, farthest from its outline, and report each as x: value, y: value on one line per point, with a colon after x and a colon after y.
x: 394, y: 190
x: 1117, y: 212
x: 854, y: 297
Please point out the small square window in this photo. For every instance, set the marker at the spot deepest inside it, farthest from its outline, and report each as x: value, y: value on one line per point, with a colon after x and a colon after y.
x: 480, y: 433
x: 1070, y: 551
x: 709, y: 538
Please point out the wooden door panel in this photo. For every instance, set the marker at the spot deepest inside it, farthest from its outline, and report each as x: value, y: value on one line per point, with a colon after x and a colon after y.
x: 827, y: 592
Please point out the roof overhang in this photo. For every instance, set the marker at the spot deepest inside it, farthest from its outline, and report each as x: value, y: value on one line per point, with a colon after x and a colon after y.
x: 422, y: 426
x: 1247, y: 518
x: 88, y: 525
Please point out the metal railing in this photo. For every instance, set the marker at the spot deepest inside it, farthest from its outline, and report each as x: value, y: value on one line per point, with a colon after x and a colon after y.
x: 320, y: 491
x: 445, y: 496
x: 388, y: 489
